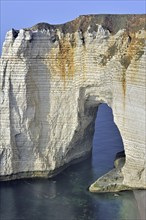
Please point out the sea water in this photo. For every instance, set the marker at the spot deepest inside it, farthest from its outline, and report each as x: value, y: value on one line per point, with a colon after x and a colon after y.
x: 66, y: 196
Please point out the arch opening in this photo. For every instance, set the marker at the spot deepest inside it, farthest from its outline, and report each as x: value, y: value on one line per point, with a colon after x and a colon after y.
x: 108, y: 149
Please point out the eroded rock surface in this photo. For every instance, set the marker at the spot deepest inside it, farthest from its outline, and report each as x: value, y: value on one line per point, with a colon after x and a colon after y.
x: 53, y: 77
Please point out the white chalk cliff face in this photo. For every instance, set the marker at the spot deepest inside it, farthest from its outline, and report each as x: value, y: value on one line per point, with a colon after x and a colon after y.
x: 53, y: 77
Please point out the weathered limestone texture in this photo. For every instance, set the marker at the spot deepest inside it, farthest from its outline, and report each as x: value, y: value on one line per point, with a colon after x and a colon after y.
x: 53, y: 77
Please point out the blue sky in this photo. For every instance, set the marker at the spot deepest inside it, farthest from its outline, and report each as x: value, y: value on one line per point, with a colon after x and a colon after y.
x: 20, y: 14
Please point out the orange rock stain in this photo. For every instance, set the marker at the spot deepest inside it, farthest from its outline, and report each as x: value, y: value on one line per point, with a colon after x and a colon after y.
x: 65, y: 60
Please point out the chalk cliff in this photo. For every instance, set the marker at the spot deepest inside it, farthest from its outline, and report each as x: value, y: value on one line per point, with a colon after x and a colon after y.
x: 53, y: 77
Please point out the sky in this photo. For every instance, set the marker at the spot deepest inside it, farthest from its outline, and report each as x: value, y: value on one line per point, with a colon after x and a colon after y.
x: 20, y: 14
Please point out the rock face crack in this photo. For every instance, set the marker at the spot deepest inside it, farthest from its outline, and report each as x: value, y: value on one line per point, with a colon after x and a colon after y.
x: 53, y: 78
x: 15, y: 33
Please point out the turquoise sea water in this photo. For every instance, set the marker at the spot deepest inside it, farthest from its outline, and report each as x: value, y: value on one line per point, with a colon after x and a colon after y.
x: 66, y: 196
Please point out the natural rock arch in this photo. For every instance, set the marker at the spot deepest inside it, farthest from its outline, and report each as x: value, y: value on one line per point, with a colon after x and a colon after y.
x: 54, y: 77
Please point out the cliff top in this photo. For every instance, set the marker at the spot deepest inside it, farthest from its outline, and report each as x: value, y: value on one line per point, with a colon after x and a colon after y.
x: 130, y: 22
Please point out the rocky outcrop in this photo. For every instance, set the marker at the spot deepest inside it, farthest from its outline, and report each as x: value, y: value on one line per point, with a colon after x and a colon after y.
x: 53, y: 78
x: 113, y: 180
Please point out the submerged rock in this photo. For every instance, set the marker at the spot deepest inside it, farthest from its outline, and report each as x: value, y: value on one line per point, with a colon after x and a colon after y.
x: 53, y: 78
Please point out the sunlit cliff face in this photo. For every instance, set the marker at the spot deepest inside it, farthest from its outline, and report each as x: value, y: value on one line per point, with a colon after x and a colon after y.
x: 54, y: 78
